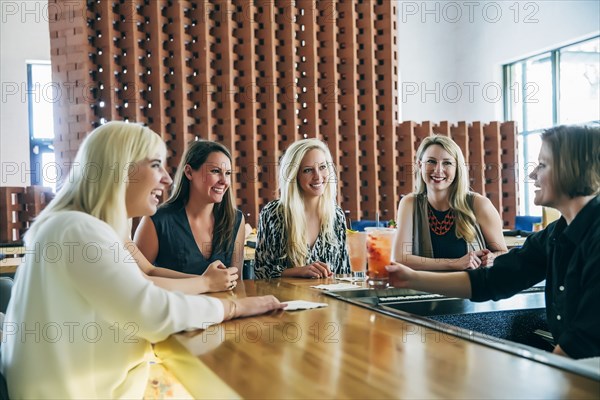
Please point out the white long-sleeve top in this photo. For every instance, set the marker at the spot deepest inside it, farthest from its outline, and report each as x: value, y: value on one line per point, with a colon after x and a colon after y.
x: 82, y: 317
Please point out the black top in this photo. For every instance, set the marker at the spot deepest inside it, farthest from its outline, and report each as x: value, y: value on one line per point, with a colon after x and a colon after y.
x: 446, y: 245
x: 422, y: 226
x: 177, y: 248
x: 568, y: 257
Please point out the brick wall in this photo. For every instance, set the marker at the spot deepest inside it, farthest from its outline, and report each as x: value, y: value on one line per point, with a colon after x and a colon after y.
x: 256, y: 77
x: 20, y: 205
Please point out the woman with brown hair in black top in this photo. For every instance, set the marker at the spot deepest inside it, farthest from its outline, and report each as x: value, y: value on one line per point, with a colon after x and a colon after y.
x: 198, y: 231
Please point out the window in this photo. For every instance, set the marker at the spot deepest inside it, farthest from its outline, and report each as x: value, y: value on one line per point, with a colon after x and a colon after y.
x: 553, y: 88
x: 40, y: 99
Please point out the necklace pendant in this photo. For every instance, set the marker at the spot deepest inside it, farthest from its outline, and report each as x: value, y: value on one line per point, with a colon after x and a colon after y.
x: 438, y: 227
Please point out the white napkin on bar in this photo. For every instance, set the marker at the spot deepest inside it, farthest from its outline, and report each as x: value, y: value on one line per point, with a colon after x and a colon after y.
x: 337, y: 286
x: 302, y: 305
x: 349, y: 279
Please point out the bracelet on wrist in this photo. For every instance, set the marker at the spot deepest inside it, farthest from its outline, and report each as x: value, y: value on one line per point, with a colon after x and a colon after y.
x: 232, y: 309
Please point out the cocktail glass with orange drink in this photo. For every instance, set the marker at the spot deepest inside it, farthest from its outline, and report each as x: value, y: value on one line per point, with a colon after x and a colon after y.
x: 357, y: 250
x: 379, y: 253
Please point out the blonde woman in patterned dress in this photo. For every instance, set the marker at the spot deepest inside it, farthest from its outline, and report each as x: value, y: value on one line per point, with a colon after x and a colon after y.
x: 303, y: 234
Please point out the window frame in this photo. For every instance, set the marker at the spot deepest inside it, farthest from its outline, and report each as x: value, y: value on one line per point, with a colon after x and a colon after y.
x: 37, y: 146
x: 523, y: 131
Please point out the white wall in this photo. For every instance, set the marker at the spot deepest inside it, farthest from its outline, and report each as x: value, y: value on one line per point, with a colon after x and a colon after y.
x: 426, y: 58
x: 24, y: 36
x: 471, y: 47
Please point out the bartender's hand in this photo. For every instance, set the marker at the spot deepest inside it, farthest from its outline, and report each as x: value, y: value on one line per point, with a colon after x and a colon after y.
x: 400, y: 275
x: 317, y: 269
x: 219, y: 278
x: 256, y: 305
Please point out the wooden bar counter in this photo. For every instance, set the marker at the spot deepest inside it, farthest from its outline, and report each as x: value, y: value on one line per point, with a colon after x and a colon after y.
x: 346, y: 351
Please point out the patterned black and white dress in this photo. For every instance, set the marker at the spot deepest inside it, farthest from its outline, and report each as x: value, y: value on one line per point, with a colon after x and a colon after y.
x: 271, y: 258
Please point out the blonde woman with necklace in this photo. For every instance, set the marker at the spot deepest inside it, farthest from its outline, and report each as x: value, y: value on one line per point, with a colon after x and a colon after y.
x: 442, y: 225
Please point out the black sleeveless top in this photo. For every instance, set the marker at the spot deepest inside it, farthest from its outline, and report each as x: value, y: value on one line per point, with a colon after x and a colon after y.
x: 447, y: 245
x: 177, y: 248
x: 422, y: 235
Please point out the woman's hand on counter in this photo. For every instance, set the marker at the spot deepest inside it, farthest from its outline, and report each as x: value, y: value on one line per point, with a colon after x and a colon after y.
x: 317, y: 269
x: 219, y: 278
x: 249, y: 306
x: 471, y: 260
x: 487, y: 260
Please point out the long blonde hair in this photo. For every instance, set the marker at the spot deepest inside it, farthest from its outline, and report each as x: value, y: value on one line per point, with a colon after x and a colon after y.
x: 223, y: 212
x: 292, y: 203
x: 98, y: 179
x: 465, y: 218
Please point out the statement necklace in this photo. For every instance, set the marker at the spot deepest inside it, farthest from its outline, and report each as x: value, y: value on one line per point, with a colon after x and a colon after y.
x: 440, y: 227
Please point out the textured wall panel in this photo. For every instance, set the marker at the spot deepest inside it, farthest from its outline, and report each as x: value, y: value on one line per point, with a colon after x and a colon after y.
x: 476, y: 157
x: 508, y: 157
x: 373, y: 146
x: 352, y: 171
x: 20, y: 205
x: 258, y: 76
x: 383, y: 15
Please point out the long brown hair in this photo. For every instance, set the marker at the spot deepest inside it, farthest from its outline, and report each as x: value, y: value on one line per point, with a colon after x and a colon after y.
x: 224, y: 212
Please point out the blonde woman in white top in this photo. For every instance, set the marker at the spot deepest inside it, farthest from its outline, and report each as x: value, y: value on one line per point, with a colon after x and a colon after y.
x: 82, y: 314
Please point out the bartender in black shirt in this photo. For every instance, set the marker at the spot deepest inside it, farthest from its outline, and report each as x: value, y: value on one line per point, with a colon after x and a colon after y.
x: 566, y: 253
